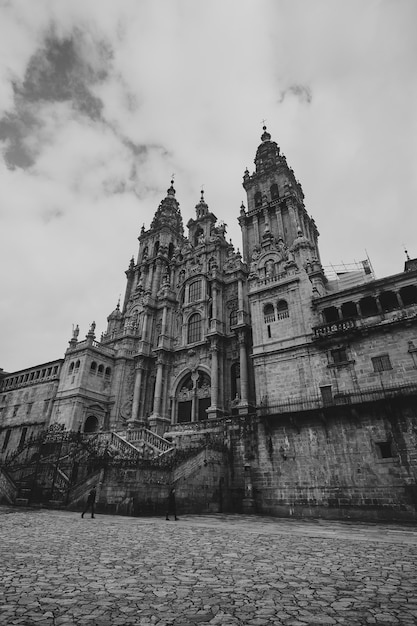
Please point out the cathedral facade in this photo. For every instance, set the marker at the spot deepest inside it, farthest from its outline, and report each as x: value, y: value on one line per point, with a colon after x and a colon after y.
x: 309, y: 380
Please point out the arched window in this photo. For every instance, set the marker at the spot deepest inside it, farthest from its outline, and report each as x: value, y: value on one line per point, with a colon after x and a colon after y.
x: 269, y: 268
x: 194, y: 328
x: 233, y: 317
x: 282, y: 309
x: 199, y: 234
x: 100, y: 370
x: 77, y: 366
x: 107, y: 373
x: 258, y: 199
x: 194, y: 291
x: 145, y: 253
x: 93, y: 367
x: 170, y: 250
x: 156, y: 248
x: 269, y: 313
x: 71, y: 367
x: 274, y: 191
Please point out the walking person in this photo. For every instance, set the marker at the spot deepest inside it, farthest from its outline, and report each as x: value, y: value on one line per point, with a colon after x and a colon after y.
x: 90, y: 502
x: 172, y: 505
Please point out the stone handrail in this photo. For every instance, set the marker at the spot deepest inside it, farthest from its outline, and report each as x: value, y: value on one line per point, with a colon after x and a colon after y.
x: 339, y: 326
x: 120, y: 444
x: 149, y: 437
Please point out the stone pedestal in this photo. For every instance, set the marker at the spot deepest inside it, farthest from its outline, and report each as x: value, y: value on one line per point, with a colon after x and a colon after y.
x: 158, y: 424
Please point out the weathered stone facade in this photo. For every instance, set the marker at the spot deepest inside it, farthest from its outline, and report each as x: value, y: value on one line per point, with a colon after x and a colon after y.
x: 301, y: 386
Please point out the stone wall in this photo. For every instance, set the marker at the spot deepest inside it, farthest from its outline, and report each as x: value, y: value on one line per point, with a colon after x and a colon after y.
x: 338, y: 463
x: 201, y: 483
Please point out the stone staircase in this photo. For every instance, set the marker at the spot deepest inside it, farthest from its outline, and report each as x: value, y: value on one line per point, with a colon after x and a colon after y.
x: 137, y: 444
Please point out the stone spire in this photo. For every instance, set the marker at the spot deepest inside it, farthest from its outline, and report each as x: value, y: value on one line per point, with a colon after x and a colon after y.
x: 168, y: 213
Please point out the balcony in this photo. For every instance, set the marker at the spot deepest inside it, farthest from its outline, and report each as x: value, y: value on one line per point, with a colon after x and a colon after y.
x: 383, y: 321
x: 334, y: 328
x: 318, y: 402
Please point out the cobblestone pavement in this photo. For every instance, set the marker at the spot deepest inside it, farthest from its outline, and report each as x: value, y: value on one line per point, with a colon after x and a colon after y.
x: 57, y: 569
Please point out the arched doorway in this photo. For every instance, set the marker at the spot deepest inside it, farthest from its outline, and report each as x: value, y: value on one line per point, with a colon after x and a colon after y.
x: 193, y: 397
x: 91, y: 424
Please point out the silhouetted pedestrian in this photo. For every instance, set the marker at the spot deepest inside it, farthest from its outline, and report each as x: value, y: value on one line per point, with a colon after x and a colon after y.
x: 172, y: 505
x: 91, y: 500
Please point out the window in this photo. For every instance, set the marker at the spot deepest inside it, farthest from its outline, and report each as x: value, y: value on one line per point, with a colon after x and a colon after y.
x: 235, y: 380
x: 15, y: 410
x: 282, y: 309
x: 46, y: 405
x: 349, y: 310
x: 6, y: 438
x: 388, y: 300
x: 100, y: 370
x: 93, y: 367
x: 269, y: 313
x: 77, y: 366
x: 194, y: 292
x: 274, y: 191
x: 384, y: 449
x: 233, y: 317
x: 381, y: 363
x: 368, y: 306
x: 258, y: 199
x: 29, y: 408
x: 330, y: 314
x: 339, y: 355
x: 194, y: 328
x: 326, y: 394
x: 23, y: 437
x: 107, y: 373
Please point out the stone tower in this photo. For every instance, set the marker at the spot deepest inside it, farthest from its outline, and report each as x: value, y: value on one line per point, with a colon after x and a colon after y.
x: 281, y: 250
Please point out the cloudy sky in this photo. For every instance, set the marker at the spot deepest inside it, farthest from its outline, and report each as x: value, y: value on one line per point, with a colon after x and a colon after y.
x: 101, y: 101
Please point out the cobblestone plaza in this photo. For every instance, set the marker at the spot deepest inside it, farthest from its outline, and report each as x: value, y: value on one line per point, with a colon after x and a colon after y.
x: 57, y: 569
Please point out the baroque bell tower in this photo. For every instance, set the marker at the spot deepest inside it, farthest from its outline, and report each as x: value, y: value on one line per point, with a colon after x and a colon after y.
x: 275, y: 199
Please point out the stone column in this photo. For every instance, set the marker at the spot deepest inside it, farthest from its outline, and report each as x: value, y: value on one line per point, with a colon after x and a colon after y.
x: 214, y: 288
x: 213, y: 410
x: 134, y: 418
x: 293, y: 221
x: 240, y: 294
x: 279, y: 222
x: 156, y: 282
x: 158, y: 387
x: 256, y: 228
x: 149, y: 277
x: 243, y: 362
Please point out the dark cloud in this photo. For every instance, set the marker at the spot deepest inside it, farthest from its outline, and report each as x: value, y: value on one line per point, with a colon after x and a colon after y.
x: 302, y: 92
x: 52, y: 214
x: 58, y: 72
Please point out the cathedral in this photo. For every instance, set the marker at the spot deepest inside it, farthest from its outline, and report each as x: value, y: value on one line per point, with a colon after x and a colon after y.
x: 253, y: 381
